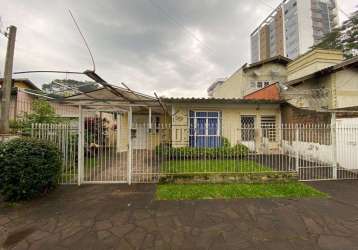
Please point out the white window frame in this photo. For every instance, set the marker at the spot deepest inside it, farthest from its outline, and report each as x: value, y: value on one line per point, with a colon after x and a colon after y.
x: 218, y: 132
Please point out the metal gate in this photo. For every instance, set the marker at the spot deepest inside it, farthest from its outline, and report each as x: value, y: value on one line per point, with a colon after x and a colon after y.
x: 102, y: 160
x: 115, y: 147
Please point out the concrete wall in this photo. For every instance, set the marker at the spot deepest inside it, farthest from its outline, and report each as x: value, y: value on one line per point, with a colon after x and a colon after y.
x: 294, y: 115
x: 312, y: 62
x: 346, y: 84
x: 315, y: 93
x: 238, y: 85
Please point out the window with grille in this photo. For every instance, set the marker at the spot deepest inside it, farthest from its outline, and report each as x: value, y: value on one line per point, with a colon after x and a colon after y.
x: 247, y: 128
x: 268, y: 126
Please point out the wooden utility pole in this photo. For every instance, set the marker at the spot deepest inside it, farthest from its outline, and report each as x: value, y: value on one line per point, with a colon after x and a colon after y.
x: 7, y: 82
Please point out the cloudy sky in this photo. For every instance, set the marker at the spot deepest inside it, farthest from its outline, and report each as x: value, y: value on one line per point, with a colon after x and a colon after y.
x: 176, y: 48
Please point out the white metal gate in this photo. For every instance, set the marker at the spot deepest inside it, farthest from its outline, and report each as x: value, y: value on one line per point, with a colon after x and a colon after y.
x: 100, y: 148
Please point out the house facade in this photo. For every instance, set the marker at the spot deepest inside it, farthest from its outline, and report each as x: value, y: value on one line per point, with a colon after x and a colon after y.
x: 24, y: 92
x: 200, y: 122
x: 252, y: 77
x: 322, y: 80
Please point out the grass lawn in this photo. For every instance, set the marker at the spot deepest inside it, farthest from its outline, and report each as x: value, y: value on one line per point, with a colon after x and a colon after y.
x: 237, y: 190
x: 215, y: 166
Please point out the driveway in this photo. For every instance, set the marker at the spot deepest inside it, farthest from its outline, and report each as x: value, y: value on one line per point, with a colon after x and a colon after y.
x: 122, y: 217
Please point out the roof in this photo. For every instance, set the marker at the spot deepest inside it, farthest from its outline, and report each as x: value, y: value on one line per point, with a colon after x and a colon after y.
x: 218, y: 101
x: 24, y: 80
x: 276, y: 59
x: 347, y: 63
x: 270, y: 92
x: 117, y: 99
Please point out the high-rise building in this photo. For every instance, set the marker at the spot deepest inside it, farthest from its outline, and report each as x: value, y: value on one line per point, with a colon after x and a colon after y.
x: 292, y: 28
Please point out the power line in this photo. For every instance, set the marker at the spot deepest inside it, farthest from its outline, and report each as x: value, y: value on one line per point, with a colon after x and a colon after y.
x: 266, y: 4
x: 343, y: 12
x: 177, y: 22
x: 84, y: 40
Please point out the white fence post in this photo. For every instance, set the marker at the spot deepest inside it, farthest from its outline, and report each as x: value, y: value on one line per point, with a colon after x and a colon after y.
x: 80, y: 146
x: 297, y: 148
x: 129, y: 146
x: 119, y: 130
x: 334, y: 145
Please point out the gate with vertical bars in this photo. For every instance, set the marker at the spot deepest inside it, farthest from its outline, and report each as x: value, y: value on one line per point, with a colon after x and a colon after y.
x: 107, y: 147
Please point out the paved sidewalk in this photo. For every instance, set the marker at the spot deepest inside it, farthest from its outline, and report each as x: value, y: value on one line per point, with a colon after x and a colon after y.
x: 122, y: 217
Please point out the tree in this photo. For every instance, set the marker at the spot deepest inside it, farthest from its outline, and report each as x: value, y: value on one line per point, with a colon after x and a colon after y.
x: 61, y: 90
x: 343, y: 38
x: 42, y: 112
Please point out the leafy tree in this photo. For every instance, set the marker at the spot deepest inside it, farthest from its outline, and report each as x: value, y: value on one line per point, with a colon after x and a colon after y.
x: 343, y: 38
x: 42, y: 112
x: 57, y: 90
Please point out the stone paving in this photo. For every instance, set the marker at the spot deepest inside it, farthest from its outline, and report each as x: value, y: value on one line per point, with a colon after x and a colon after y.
x: 122, y: 217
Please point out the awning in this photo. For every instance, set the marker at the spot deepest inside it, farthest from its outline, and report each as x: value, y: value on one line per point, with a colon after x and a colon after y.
x: 114, y: 99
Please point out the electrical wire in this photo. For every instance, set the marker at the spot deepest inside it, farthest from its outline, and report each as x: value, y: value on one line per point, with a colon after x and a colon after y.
x: 84, y: 40
x: 177, y: 22
x: 266, y: 4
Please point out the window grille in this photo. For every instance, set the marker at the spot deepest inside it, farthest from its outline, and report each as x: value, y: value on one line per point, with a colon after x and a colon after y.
x: 268, y: 126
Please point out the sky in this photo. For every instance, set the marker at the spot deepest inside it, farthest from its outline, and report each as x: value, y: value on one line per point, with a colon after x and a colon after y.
x: 174, y: 48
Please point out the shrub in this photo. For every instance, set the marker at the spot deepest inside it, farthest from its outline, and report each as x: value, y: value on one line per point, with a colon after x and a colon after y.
x: 165, y: 151
x: 28, y: 168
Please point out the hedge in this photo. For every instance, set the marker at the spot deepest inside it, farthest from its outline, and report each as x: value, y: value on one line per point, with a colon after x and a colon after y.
x: 225, y: 152
x: 28, y: 168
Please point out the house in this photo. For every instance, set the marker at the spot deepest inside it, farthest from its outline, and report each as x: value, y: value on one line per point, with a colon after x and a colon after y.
x: 24, y: 92
x: 202, y: 122
x: 270, y: 92
x: 250, y: 78
x: 322, y: 80
x: 183, y: 122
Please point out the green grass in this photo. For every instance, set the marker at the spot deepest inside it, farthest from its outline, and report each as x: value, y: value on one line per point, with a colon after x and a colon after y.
x: 232, y: 191
x: 215, y: 166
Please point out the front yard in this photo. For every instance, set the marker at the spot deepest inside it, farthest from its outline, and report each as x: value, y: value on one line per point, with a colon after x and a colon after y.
x: 212, y: 166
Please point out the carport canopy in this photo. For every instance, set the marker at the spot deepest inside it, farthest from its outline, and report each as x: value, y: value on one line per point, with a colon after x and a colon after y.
x: 116, y: 99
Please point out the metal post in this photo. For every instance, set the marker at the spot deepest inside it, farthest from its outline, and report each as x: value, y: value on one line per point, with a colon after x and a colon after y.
x: 118, y: 132
x: 334, y: 145
x: 150, y: 118
x: 129, y: 146
x: 80, y: 146
x: 297, y: 147
x: 6, y: 86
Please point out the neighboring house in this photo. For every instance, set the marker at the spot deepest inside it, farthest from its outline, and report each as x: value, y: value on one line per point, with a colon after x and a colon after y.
x: 321, y: 80
x: 218, y: 82
x: 24, y: 92
x: 252, y: 77
x: 270, y: 92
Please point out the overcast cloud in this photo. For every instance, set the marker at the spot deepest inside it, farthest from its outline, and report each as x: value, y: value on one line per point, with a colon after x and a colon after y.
x: 176, y: 48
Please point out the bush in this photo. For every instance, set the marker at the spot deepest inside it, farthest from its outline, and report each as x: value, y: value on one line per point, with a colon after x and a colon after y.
x: 28, y: 168
x: 165, y: 151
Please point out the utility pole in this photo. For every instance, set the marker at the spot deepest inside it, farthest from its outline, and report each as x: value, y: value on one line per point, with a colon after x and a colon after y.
x: 7, y: 82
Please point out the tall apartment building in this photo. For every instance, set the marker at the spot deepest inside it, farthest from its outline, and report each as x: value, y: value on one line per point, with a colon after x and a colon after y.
x: 292, y: 28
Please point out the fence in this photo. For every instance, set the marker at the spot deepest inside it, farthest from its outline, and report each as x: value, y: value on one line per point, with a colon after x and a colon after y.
x: 313, y: 152
x: 65, y: 137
